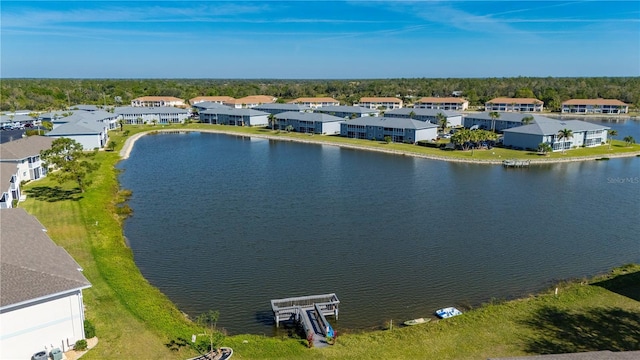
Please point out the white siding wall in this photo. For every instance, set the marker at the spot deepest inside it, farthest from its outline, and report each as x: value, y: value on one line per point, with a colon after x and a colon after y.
x: 23, y: 170
x: 331, y: 128
x: 259, y: 120
x: 426, y: 134
x: 88, y: 142
x: 35, y: 328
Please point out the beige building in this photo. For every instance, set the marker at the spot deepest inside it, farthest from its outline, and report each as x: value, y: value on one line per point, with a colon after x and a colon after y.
x: 315, y: 102
x: 594, y: 106
x: 248, y: 102
x: 213, y: 99
x: 514, y: 105
x: 157, y: 101
x: 387, y: 103
x: 442, y: 103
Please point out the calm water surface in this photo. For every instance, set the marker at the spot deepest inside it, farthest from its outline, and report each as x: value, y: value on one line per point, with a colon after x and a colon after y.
x: 228, y: 223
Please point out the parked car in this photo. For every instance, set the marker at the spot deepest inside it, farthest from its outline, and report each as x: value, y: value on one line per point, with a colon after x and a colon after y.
x: 6, y: 127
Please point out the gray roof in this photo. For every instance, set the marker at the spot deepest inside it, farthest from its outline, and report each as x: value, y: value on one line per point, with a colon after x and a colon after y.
x: 7, y: 170
x: 209, y: 105
x: 232, y: 111
x: 24, y: 147
x: 346, y: 109
x: 305, y: 116
x: 506, y: 116
x: 16, y: 118
x: 398, y: 123
x: 33, y: 266
x: 81, y: 127
x: 283, y: 107
x: 142, y: 110
x: 79, y: 115
x: 420, y: 112
x: 84, y: 107
x: 546, y: 126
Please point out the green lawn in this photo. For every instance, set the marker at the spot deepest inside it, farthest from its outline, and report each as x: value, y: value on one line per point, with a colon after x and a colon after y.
x: 495, y: 154
x: 134, y: 320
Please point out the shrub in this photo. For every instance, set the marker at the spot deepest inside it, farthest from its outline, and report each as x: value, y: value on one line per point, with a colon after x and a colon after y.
x: 89, y: 329
x: 124, y: 210
x: 80, y: 345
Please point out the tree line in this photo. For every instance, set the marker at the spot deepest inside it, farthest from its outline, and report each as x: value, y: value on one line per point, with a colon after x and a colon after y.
x: 49, y: 94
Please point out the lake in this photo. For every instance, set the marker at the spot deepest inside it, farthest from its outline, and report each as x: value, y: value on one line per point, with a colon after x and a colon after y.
x: 228, y: 223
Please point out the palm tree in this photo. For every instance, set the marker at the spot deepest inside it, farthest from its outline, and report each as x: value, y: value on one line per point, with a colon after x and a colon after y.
x: 527, y: 120
x: 564, y: 134
x: 611, y: 134
x: 272, y: 121
x: 462, y: 138
x: 544, y: 148
x: 121, y: 123
x: 412, y: 114
x: 629, y: 140
x: 494, y: 115
x: 442, y: 121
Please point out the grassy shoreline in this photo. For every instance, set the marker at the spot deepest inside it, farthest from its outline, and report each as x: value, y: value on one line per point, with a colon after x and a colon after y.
x: 135, y: 320
x: 492, y: 157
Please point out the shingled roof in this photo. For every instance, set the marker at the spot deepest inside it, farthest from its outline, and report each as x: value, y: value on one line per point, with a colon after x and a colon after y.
x: 32, y: 266
x: 24, y: 147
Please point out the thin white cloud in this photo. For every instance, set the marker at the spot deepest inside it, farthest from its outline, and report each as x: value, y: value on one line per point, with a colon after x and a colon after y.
x: 111, y: 14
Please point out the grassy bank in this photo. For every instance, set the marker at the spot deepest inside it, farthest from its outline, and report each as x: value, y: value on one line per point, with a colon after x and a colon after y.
x: 134, y: 320
x: 494, y: 155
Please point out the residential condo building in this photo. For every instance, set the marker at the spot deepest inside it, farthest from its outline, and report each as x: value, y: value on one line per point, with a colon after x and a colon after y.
x: 398, y: 129
x: 514, y: 105
x: 41, y: 306
x: 157, y: 101
x: 594, y: 106
x: 545, y: 130
x: 442, y: 103
x: 24, y: 153
x: 234, y: 117
x: 380, y: 103
x: 315, y: 102
x: 454, y: 119
x: 306, y: 122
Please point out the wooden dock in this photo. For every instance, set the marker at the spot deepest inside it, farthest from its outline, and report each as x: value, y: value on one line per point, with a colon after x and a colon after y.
x: 516, y: 163
x: 310, y: 311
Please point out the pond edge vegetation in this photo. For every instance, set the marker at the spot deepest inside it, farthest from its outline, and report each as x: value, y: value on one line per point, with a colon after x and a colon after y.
x: 135, y: 320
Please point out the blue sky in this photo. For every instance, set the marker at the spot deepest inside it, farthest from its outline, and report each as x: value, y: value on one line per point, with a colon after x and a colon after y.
x: 318, y: 39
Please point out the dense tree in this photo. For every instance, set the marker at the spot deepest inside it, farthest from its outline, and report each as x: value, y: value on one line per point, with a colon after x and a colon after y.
x: 629, y: 140
x: 71, y: 163
x: 544, y: 148
x: 47, y: 94
x: 524, y: 93
x: 527, y: 120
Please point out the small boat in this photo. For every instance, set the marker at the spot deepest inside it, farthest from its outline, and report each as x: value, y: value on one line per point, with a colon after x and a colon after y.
x: 448, y: 312
x: 223, y: 353
x: 417, y: 321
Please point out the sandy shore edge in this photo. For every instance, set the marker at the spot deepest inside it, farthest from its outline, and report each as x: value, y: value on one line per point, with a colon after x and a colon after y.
x: 130, y: 142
